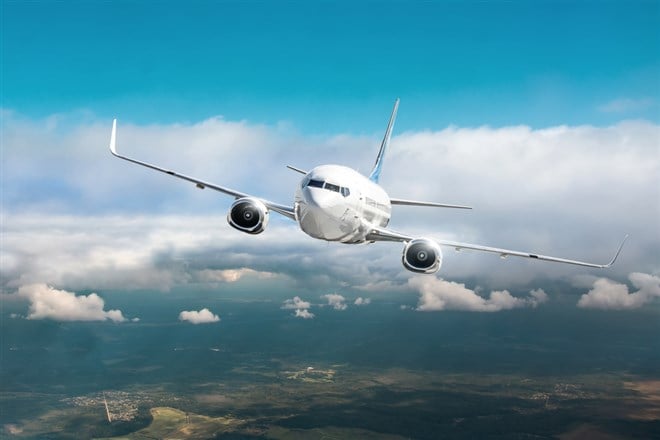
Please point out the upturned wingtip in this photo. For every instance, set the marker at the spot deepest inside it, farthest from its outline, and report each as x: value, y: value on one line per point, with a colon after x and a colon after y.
x: 611, y: 263
x: 113, y: 137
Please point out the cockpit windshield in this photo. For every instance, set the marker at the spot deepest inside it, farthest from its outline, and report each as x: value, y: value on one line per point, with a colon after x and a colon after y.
x: 327, y: 185
x: 331, y: 187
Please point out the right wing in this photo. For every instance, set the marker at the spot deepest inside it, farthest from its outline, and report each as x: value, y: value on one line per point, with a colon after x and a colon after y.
x: 286, y: 211
x: 383, y: 234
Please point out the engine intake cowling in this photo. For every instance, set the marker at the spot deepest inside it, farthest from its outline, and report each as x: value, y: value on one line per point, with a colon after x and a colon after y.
x: 422, y: 256
x: 248, y: 215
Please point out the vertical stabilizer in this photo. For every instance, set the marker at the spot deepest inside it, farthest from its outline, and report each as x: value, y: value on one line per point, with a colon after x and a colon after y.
x: 375, y: 173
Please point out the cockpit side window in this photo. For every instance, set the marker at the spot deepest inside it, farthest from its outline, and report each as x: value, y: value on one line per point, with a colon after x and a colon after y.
x: 315, y: 183
x: 332, y: 187
x: 345, y: 191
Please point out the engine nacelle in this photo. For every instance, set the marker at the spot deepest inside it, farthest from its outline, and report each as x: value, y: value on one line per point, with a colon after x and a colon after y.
x: 422, y: 256
x: 248, y: 215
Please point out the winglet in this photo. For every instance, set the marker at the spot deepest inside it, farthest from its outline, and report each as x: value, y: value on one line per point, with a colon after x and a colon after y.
x: 617, y: 252
x: 375, y: 173
x: 113, y: 138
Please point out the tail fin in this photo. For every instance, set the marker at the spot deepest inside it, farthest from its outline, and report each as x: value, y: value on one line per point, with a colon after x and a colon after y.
x: 375, y: 173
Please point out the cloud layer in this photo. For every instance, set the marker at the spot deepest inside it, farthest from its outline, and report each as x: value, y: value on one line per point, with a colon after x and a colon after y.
x: 73, y: 216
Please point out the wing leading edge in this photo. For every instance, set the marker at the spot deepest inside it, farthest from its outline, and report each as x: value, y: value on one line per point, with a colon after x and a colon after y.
x: 381, y: 234
x: 432, y: 204
x: 284, y: 210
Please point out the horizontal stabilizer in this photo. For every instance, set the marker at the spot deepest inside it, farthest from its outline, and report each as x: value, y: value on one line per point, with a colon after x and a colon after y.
x: 297, y: 170
x: 433, y: 204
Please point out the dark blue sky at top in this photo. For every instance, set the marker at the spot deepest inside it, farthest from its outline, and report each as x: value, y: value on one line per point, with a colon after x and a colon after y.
x: 333, y: 66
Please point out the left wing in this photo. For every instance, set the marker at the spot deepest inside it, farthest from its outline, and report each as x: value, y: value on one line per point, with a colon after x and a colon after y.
x: 286, y: 211
x: 382, y: 234
x: 418, y: 203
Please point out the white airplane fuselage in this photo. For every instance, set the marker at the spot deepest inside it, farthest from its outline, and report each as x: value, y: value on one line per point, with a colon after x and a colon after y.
x: 336, y: 203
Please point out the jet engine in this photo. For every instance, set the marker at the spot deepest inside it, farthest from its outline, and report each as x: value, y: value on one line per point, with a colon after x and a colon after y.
x: 248, y: 215
x: 422, y: 256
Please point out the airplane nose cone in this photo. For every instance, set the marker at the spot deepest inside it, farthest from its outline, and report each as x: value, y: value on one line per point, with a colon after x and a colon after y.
x: 318, y: 198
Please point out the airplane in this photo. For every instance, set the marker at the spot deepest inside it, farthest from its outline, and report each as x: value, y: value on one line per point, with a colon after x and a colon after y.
x: 336, y: 203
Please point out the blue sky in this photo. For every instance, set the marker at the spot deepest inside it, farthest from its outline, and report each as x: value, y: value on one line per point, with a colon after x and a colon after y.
x: 334, y: 66
x: 543, y: 116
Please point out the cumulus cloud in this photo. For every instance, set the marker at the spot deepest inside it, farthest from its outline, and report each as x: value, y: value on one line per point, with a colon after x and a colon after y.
x: 438, y: 294
x: 301, y: 307
x: 204, y: 316
x: 296, y: 303
x: 47, y: 302
x: 610, y: 295
x: 538, y: 296
x: 336, y: 301
x: 304, y: 314
x: 359, y: 301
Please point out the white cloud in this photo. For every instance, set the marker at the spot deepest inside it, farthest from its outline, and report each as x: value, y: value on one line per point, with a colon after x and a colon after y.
x: 359, y: 301
x: 603, y: 173
x: 304, y: 314
x: 336, y: 301
x: 60, y: 305
x: 301, y: 307
x: 204, y: 316
x: 538, y: 296
x: 131, y: 252
x: 627, y: 105
x: 296, y: 303
x: 564, y: 170
x: 610, y: 295
x: 437, y: 294
x: 230, y: 275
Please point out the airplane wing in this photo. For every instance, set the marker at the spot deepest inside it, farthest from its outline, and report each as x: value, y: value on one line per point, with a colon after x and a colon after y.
x: 382, y: 234
x: 434, y: 204
x: 286, y: 211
